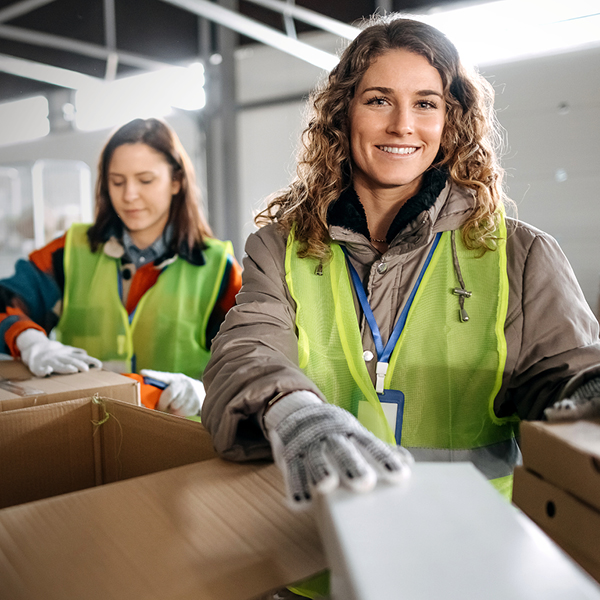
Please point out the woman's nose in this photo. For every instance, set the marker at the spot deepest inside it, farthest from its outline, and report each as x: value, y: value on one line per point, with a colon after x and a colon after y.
x: 401, y: 121
x: 131, y: 191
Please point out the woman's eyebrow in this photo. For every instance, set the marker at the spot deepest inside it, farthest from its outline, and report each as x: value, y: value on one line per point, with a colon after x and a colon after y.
x: 429, y: 93
x: 136, y: 174
x: 383, y: 90
x: 387, y: 90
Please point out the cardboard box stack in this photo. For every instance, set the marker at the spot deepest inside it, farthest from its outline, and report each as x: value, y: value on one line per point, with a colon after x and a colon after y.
x: 105, y: 499
x: 558, y: 486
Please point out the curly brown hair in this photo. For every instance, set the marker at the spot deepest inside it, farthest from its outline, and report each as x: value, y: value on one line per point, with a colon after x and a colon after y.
x: 469, y: 147
x: 189, y: 224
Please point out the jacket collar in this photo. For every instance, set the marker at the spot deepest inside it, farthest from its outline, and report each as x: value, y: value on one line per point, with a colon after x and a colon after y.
x: 440, y: 205
x: 348, y: 211
x: 115, y: 247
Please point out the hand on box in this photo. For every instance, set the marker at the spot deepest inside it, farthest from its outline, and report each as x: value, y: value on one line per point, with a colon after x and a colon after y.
x: 182, y: 396
x: 43, y: 356
x: 584, y: 403
x: 321, y: 446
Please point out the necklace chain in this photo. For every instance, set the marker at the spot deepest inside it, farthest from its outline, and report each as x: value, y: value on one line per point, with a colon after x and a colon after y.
x: 378, y: 241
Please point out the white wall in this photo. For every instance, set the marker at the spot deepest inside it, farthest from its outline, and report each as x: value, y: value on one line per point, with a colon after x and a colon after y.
x: 550, y: 108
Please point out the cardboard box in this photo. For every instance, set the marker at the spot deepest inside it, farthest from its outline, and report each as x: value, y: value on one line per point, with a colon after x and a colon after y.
x: 572, y: 524
x: 20, y: 389
x: 566, y: 455
x: 140, y: 526
x: 68, y: 446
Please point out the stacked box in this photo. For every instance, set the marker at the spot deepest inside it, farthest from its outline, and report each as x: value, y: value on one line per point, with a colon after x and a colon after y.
x: 558, y: 485
x: 20, y: 389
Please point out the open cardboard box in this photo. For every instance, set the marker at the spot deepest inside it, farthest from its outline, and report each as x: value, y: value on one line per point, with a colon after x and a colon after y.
x: 20, y: 389
x: 143, y: 510
x: 558, y: 485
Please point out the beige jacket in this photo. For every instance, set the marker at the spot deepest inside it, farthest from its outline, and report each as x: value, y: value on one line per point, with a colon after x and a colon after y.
x: 551, y: 333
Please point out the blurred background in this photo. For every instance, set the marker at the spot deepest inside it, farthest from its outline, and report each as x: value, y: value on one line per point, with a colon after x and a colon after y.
x: 232, y: 78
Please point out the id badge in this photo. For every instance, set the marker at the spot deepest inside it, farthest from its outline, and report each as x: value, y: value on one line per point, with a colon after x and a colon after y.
x: 392, y: 402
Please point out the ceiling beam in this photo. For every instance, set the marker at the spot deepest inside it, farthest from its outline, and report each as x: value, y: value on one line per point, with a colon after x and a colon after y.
x: 110, y: 39
x: 311, y: 17
x: 48, y: 40
x: 46, y: 73
x: 21, y: 8
x: 258, y: 31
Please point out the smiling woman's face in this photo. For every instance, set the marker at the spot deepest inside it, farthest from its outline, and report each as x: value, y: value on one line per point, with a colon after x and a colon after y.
x: 396, y: 119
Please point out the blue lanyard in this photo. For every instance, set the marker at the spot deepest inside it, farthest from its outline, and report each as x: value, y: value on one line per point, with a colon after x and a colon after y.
x: 384, y: 354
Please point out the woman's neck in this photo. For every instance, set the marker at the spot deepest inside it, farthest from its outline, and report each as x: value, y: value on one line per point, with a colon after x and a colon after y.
x: 381, y: 207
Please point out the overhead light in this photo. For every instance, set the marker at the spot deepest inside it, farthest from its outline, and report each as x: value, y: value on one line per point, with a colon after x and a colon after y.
x: 105, y: 104
x: 507, y: 30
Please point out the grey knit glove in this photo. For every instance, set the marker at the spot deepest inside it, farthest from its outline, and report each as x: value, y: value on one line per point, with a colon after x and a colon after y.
x: 320, y: 446
x: 584, y: 403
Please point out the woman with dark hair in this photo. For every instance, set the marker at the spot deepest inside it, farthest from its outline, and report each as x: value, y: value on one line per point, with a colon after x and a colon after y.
x: 142, y: 290
x: 387, y: 296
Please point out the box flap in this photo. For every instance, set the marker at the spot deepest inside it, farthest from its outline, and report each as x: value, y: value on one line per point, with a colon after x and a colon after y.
x: 137, y: 441
x: 45, y: 451
x: 213, y: 530
x: 566, y: 455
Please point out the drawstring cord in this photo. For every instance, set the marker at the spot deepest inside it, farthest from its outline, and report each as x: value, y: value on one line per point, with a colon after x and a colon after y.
x: 461, y: 292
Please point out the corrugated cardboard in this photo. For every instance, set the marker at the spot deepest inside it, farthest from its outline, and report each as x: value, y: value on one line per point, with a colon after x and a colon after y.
x: 566, y: 455
x: 208, y: 530
x: 571, y: 523
x: 20, y: 389
x: 68, y: 446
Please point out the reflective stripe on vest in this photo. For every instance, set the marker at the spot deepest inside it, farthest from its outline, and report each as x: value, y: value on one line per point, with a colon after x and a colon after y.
x: 169, y: 326
x: 450, y: 371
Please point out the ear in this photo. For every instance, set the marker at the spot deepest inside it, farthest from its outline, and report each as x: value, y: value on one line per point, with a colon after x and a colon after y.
x: 175, y: 186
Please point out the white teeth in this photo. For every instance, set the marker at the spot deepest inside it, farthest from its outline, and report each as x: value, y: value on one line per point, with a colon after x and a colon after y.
x: 394, y: 150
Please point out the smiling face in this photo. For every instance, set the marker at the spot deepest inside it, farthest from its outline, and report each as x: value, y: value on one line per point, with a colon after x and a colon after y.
x: 396, y: 121
x: 141, y: 186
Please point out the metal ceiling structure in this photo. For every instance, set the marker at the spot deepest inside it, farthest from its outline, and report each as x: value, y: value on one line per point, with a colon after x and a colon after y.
x: 51, y: 47
x: 45, y: 43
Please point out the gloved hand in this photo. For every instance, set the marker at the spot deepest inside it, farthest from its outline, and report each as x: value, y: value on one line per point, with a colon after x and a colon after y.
x: 183, y: 395
x: 44, y: 356
x: 583, y: 403
x: 319, y: 445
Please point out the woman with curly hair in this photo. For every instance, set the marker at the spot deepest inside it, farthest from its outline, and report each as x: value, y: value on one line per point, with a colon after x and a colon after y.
x: 387, y: 296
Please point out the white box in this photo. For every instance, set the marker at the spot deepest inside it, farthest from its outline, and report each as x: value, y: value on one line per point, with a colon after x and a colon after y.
x: 444, y: 533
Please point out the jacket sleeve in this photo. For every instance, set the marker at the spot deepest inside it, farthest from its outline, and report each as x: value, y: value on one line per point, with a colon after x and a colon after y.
x: 255, y: 355
x: 549, y: 322
x: 31, y: 296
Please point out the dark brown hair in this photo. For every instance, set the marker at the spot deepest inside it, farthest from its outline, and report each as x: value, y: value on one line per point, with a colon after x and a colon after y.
x: 468, y: 150
x: 189, y: 224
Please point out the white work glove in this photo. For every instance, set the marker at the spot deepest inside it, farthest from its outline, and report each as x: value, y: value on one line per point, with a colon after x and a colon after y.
x: 319, y: 445
x: 44, y: 356
x: 183, y: 395
x: 583, y: 403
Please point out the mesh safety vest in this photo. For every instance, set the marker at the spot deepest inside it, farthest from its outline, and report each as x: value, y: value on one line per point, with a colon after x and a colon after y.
x: 449, y: 371
x: 168, y: 328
